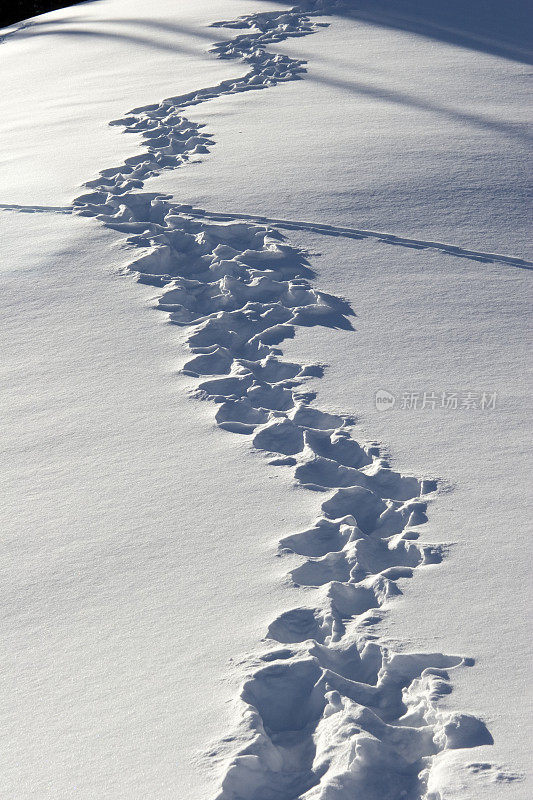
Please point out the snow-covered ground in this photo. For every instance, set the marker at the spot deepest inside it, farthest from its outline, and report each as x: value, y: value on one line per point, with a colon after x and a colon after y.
x: 140, y: 538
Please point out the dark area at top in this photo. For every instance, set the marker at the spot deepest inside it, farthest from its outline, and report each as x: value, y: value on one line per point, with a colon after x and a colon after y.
x: 456, y: 21
x: 18, y: 10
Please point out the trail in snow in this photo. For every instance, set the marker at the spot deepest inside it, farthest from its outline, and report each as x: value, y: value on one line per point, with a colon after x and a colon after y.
x: 327, y: 709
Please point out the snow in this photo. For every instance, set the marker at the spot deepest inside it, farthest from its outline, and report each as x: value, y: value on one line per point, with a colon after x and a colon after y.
x: 125, y: 530
x: 71, y: 71
x: 380, y: 135
x: 452, y: 333
x: 139, y: 573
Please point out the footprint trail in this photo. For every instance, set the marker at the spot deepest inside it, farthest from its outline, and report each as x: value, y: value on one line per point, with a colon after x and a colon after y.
x: 327, y: 709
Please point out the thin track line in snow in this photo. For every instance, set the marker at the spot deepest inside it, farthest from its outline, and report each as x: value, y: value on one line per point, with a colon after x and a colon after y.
x: 362, y: 233
x: 320, y: 228
x: 36, y: 209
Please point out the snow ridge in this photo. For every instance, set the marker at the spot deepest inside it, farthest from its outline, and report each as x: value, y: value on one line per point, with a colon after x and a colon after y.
x: 327, y: 709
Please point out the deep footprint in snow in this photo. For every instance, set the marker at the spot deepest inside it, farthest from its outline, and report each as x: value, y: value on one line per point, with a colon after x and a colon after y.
x: 331, y: 712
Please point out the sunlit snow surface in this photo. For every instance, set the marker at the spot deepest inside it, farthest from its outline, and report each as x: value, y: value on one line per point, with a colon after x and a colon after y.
x: 329, y: 705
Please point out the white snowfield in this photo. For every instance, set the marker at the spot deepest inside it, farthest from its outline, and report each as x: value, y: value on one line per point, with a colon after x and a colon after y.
x: 278, y: 548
